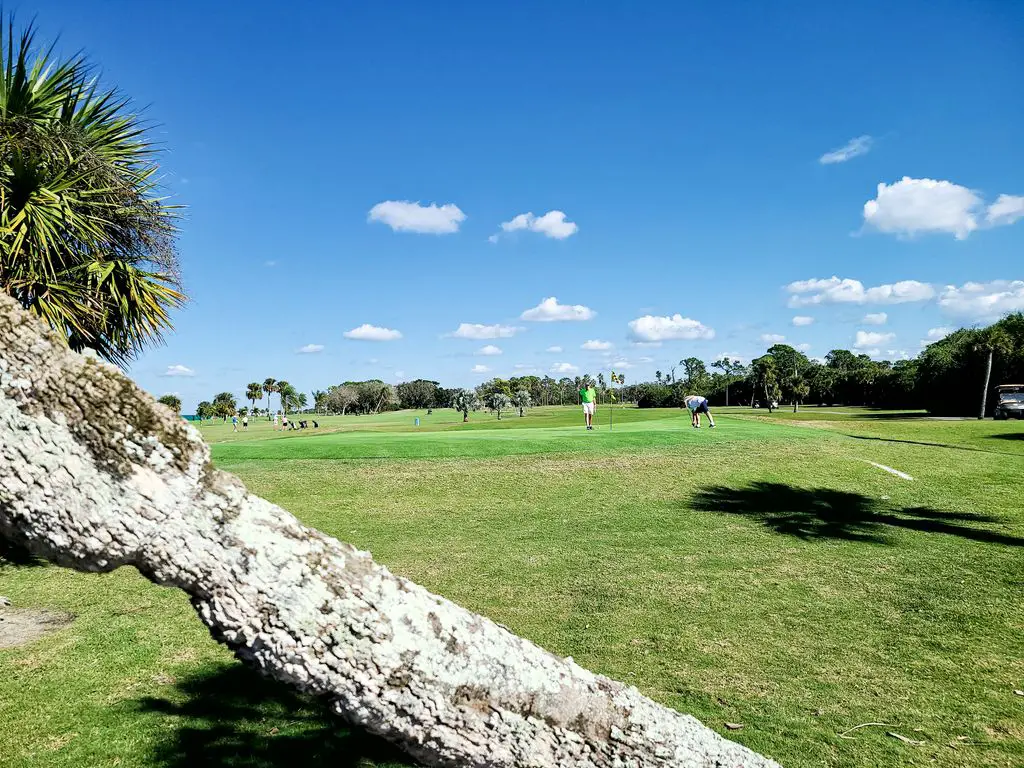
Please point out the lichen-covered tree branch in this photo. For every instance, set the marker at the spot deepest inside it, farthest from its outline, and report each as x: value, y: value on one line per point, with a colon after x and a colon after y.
x: 94, y: 474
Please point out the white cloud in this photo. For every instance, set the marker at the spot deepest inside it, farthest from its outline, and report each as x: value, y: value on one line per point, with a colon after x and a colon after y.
x: 624, y: 365
x: 914, y: 206
x: 835, y: 290
x: 645, y: 359
x: 802, y: 320
x: 551, y: 224
x: 564, y: 368
x: 479, y: 369
x: 851, y: 149
x: 875, y: 318
x: 550, y: 311
x: 489, y: 349
x: 934, y: 334
x: 526, y: 367
x: 270, y: 263
x: 872, y: 339
x: 555, y: 349
x: 803, y: 347
x: 178, y: 370
x: 399, y: 374
x: 596, y: 345
x: 645, y: 344
x: 367, y: 332
x: 373, y: 361
x: 772, y: 338
x: 478, y: 331
x: 310, y: 349
x: 981, y: 301
x: 657, y: 328
x: 910, y: 207
x: 897, y: 354
x: 406, y: 216
x: 872, y: 352
x: 1005, y: 210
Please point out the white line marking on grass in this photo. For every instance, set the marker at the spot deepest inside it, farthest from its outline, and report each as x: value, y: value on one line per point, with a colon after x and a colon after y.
x: 890, y: 470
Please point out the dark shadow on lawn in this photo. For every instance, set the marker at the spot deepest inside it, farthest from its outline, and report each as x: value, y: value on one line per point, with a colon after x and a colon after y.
x: 933, y: 445
x: 899, y: 416
x: 15, y: 554
x: 1008, y: 436
x: 823, y: 513
x: 233, y: 717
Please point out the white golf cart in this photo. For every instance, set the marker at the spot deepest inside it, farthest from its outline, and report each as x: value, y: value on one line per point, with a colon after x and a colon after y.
x: 1009, y: 401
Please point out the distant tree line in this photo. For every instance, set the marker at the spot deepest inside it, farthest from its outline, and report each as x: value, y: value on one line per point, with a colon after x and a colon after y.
x: 952, y: 376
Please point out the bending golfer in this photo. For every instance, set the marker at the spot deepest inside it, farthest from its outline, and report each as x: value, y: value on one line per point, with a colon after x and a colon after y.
x: 697, y: 406
x: 588, y: 396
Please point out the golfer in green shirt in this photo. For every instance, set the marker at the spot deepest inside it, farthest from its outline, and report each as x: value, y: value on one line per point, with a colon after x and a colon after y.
x: 588, y: 396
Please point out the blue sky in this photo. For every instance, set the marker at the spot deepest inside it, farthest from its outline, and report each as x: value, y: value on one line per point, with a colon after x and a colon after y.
x: 680, y: 148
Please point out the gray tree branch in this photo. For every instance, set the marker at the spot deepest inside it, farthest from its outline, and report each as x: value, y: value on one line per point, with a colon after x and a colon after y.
x: 95, y: 475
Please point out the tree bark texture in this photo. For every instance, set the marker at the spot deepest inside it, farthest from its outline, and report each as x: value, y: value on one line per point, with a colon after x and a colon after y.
x: 984, y: 388
x: 95, y: 475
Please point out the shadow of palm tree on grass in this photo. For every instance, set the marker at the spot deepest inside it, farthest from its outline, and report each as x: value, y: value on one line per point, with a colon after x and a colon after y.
x: 898, y: 416
x: 824, y: 513
x: 232, y: 717
x: 15, y: 554
x: 933, y: 445
x: 1008, y: 436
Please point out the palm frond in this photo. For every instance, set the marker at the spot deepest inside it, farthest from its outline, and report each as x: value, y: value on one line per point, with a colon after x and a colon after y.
x: 86, y: 239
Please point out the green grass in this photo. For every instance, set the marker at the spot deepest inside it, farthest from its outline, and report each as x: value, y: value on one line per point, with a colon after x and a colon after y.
x: 762, y: 573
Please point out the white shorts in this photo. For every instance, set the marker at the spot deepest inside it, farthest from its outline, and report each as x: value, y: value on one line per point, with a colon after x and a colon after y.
x: 588, y: 408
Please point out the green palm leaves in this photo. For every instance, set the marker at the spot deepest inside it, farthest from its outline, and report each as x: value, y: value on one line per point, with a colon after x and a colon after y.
x: 86, y: 243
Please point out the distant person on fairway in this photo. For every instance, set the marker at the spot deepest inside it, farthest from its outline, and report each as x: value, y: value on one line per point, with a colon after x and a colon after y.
x: 697, y: 406
x: 245, y: 423
x: 275, y: 422
x: 588, y: 396
x: 234, y: 422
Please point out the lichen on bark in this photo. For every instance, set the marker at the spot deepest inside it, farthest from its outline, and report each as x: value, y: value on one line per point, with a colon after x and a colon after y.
x: 94, y: 475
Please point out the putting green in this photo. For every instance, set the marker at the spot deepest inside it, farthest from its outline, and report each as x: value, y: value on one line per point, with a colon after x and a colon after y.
x: 525, y: 439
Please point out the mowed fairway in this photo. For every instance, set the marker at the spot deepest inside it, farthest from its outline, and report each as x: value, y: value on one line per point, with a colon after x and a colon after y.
x: 764, y: 573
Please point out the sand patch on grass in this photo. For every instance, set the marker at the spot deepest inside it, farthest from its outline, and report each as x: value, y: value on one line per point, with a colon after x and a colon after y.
x: 20, y: 626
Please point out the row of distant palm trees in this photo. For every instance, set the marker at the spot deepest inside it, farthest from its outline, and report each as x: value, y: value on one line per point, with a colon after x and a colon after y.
x: 290, y: 398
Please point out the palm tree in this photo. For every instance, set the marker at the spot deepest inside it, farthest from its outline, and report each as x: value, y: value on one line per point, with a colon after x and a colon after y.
x: 765, y: 375
x: 254, y: 392
x: 521, y: 399
x: 991, y: 341
x: 729, y: 369
x: 86, y: 240
x: 171, y: 401
x: 269, y: 386
x: 464, y: 401
x: 319, y: 400
x: 286, y: 393
x: 224, y: 405
x: 498, y: 402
